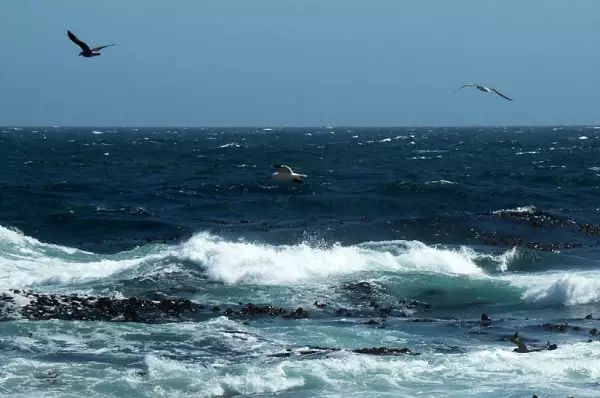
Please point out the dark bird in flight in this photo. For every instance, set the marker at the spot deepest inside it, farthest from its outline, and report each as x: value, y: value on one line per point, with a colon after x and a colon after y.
x: 485, y: 89
x: 86, y: 51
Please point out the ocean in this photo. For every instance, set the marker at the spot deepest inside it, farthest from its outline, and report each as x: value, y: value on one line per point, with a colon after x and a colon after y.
x: 166, y: 262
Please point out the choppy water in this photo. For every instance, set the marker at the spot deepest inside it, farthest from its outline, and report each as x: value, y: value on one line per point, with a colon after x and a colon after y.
x: 403, y: 237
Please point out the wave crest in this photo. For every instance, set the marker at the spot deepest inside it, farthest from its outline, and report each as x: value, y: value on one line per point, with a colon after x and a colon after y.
x: 241, y: 262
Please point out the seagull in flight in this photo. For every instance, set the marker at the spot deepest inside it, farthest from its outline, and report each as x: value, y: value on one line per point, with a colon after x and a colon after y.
x: 285, y: 173
x: 485, y: 89
x: 86, y: 51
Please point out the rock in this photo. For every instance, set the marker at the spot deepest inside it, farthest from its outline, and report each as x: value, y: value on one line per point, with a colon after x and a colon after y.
x: 252, y: 310
x: 560, y: 327
x: 384, y: 351
x: 75, y: 307
x: 299, y: 313
x: 319, y: 305
x: 486, y: 320
x: 588, y: 317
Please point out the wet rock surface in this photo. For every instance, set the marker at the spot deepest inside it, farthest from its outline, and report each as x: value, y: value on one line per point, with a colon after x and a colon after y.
x: 252, y: 310
x: 36, y: 306
x: 315, y: 350
x: 39, y: 306
x: 371, y: 300
x: 384, y: 351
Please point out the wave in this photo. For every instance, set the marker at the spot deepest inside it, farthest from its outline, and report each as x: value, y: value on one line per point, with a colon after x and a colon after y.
x: 530, y: 209
x: 567, y: 288
x: 26, y: 262
x: 345, y: 371
x: 241, y: 262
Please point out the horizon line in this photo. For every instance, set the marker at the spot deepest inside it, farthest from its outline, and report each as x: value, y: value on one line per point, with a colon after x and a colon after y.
x: 273, y: 127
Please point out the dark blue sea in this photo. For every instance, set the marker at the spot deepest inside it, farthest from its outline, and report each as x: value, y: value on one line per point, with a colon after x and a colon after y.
x: 168, y: 262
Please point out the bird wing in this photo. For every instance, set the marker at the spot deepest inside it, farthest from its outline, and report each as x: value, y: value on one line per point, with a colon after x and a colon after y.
x: 500, y: 94
x: 101, y: 47
x: 467, y: 85
x: 76, y: 40
x: 283, y: 169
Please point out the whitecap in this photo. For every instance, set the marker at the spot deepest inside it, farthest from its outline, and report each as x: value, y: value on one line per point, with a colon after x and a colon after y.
x: 230, y: 144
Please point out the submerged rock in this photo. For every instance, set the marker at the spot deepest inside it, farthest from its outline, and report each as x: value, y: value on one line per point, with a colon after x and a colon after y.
x: 253, y: 310
x: 315, y: 350
x: 485, y: 319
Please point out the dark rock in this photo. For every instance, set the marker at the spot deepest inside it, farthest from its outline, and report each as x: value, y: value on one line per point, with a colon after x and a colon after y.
x: 252, y: 310
x: 553, y: 327
x: 343, y: 312
x: 486, y: 320
x: 75, y: 307
x: 384, y: 351
x: 319, y: 305
x: 588, y: 317
x: 450, y: 350
x: 371, y: 322
x: 593, y: 331
x: 299, y: 313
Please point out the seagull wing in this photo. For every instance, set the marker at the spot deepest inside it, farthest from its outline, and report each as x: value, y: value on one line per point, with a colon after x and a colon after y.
x: 283, y: 169
x: 76, y: 40
x: 101, y: 47
x: 467, y: 85
x: 500, y: 94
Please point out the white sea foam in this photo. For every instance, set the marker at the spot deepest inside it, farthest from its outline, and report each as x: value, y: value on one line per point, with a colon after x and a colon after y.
x: 479, y: 372
x: 440, y: 182
x: 230, y: 144
x: 217, y: 379
x: 242, y: 262
x: 25, y: 262
x: 567, y: 288
x: 521, y: 209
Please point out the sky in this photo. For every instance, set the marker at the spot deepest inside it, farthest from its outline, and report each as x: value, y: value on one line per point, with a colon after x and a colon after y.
x: 300, y: 62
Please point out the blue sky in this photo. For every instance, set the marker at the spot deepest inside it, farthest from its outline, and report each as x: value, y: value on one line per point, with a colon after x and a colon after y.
x: 300, y: 63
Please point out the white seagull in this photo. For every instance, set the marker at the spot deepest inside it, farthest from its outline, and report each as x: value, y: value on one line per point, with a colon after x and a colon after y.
x: 285, y: 173
x: 485, y: 89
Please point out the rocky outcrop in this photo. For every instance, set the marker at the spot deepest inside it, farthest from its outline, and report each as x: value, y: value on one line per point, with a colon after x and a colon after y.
x: 252, y: 310
x: 38, y: 306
